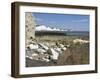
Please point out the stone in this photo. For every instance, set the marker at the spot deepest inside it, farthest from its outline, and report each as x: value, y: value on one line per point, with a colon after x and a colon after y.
x: 41, y: 50
x: 29, y: 27
x: 53, y: 54
x: 33, y: 46
x: 43, y: 46
x: 80, y: 41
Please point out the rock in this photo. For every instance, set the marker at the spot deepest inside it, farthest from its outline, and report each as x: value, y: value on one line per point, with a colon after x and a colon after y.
x: 30, y: 57
x: 46, y: 60
x: 64, y: 48
x: 80, y: 41
x: 28, y: 53
x: 67, y: 46
x: 43, y: 46
x: 29, y: 27
x: 33, y: 46
x: 53, y: 54
x: 61, y: 45
x: 58, y: 49
x: 35, y: 56
x: 41, y: 50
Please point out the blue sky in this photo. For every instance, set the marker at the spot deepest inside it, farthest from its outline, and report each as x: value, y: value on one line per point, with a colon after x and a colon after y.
x: 63, y: 21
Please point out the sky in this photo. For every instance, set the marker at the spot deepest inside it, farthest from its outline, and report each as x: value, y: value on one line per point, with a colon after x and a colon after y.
x: 63, y: 21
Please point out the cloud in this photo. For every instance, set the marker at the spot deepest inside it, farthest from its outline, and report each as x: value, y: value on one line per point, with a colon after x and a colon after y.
x: 82, y: 20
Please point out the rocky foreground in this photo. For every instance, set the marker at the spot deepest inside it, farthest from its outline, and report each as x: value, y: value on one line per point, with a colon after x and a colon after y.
x: 57, y: 53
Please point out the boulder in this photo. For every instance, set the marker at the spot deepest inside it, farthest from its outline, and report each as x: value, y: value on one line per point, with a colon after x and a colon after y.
x: 33, y: 46
x: 43, y: 46
x: 41, y: 50
x: 53, y: 54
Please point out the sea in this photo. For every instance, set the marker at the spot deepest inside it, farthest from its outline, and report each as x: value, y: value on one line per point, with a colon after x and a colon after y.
x: 65, y: 33
x: 77, y: 33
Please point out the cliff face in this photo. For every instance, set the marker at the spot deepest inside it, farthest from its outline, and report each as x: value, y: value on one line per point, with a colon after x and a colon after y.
x: 29, y: 27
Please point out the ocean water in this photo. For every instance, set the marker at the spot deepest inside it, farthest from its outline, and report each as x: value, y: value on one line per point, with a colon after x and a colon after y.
x: 63, y: 33
x: 77, y: 33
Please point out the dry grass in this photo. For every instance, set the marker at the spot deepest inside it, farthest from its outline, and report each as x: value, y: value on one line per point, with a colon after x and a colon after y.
x: 76, y: 54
